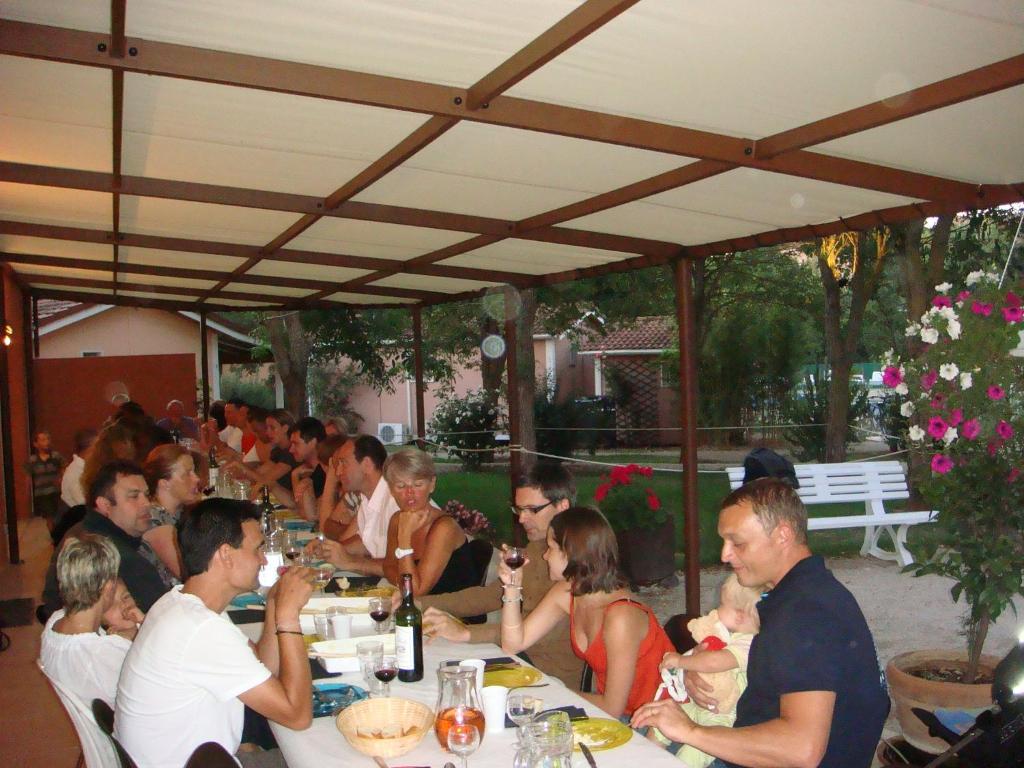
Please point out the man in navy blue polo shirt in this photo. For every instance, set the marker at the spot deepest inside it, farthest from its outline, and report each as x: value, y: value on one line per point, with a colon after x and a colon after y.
x: 815, y: 694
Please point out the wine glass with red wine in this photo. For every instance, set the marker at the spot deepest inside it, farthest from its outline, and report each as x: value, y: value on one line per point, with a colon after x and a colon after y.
x: 515, y: 557
x: 385, y: 669
x: 292, y: 549
x: 380, y: 612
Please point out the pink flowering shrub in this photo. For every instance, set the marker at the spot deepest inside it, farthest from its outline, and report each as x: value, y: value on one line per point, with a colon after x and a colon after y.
x: 627, y: 502
x: 472, y: 521
x: 964, y: 398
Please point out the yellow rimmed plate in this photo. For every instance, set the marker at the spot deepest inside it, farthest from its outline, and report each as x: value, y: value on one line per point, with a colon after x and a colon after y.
x: 600, y: 733
x: 512, y: 678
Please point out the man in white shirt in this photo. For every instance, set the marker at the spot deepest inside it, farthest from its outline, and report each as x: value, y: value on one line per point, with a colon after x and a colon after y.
x: 363, y: 544
x: 74, y: 650
x: 191, y: 670
x: 236, y: 414
x: 71, y: 491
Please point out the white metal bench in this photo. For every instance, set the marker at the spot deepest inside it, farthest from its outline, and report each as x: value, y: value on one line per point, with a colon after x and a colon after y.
x: 874, y: 483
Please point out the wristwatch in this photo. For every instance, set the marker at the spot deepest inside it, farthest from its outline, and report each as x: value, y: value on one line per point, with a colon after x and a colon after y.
x: 400, y: 553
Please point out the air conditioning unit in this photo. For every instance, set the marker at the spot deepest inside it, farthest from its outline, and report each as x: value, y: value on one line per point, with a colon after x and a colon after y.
x: 391, y: 434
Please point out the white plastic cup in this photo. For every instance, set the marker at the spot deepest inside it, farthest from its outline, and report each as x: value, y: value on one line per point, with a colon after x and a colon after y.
x: 341, y: 625
x: 494, y: 699
x: 478, y: 665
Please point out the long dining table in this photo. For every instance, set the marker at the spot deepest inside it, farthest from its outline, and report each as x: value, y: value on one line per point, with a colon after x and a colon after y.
x: 323, y: 746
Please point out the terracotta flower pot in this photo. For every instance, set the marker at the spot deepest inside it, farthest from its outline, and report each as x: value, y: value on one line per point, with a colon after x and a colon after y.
x: 647, y: 556
x: 910, y: 691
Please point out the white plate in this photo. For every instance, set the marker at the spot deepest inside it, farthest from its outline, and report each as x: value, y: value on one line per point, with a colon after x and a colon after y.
x: 347, y: 661
x: 358, y: 606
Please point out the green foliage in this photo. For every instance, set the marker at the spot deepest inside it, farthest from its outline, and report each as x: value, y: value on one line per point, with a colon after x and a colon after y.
x: 251, y: 390
x: 628, y: 499
x: 330, y: 390
x: 965, y: 399
x: 556, y: 423
x: 808, y: 405
x: 466, y: 424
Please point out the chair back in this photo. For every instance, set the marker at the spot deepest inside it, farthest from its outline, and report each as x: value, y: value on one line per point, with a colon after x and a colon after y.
x: 482, y: 553
x: 104, y: 717
x: 211, y: 755
x: 97, y: 748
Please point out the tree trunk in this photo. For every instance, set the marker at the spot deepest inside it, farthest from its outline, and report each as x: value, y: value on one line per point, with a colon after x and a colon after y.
x: 290, y: 347
x: 976, y: 635
x: 526, y: 368
x: 838, y: 410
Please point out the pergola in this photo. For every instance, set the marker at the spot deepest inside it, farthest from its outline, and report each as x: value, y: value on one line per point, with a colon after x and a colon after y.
x: 268, y: 154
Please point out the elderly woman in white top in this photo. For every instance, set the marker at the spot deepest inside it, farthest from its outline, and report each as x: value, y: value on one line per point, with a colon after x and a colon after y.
x: 75, y: 651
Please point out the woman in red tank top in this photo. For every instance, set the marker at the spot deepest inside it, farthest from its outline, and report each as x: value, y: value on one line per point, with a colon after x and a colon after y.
x: 617, y: 636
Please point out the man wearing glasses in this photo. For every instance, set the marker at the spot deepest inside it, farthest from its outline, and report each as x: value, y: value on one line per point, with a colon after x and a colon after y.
x: 545, y: 491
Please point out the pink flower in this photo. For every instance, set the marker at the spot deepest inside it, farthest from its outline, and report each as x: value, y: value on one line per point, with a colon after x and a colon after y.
x: 937, y: 427
x: 981, y: 308
x: 1012, y: 299
x: 646, y: 471
x: 1013, y: 314
x: 939, y: 401
x: 941, y: 463
x: 1004, y: 430
x: 995, y: 392
x: 602, y: 492
x: 994, y: 446
x: 619, y: 476
x: 955, y: 417
x: 971, y: 429
x: 1014, y: 474
x: 942, y: 301
x: 928, y: 380
x: 963, y: 295
x: 892, y: 376
x: 653, y: 502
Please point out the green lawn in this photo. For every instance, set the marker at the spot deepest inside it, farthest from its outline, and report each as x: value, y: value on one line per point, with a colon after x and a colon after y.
x: 489, y: 492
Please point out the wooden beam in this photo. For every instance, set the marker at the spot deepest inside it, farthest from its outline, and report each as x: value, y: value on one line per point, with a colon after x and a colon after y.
x: 118, y: 46
x: 943, y: 93
x: 135, y: 301
x: 565, y: 33
x: 7, y: 438
x: 241, y: 70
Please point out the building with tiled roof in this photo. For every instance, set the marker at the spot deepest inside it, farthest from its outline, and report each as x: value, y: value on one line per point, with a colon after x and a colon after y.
x: 644, y: 335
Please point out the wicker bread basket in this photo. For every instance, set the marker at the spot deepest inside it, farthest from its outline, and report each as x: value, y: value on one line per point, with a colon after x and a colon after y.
x: 366, y: 725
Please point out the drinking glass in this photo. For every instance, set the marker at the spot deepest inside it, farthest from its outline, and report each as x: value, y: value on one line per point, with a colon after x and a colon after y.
x: 385, y: 669
x: 292, y: 548
x: 324, y: 572
x: 369, y: 652
x: 514, y: 557
x: 380, y: 612
x: 323, y: 626
x: 463, y: 740
x: 546, y: 743
x: 521, y: 708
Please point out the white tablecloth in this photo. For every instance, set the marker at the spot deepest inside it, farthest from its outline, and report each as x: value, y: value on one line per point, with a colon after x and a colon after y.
x: 323, y: 746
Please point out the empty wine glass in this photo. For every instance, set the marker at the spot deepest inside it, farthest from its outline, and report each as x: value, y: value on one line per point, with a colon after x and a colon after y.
x: 521, y: 708
x: 463, y: 740
x: 380, y: 612
x: 323, y: 572
x: 385, y: 669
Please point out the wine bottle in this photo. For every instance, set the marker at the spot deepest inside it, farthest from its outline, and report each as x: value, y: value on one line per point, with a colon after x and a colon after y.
x: 409, y: 635
x: 214, y: 472
x: 268, y: 520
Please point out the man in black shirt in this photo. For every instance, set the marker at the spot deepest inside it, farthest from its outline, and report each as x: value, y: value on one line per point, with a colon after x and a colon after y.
x: 308, y: 477
x: 118, y: 508
x: 815, y: 694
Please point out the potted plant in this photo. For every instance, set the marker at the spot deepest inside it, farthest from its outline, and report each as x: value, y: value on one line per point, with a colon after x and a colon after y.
x: 963, y: 396
x: 643, y: 527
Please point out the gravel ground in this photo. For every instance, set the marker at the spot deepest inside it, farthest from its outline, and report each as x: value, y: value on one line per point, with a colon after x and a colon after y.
x: 904, y: 612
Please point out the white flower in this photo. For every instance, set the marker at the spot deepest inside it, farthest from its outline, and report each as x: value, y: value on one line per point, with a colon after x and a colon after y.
x: 948, y: 371
x: 929, y: 336
x: 907, y: 409
x: 950, y: 435
x: 953, y: 329
x: 901, y: 388
x: 974, y: 277
x: 915, y: 433
x: 946, y: 312
x: 889, y: 356
x: 913, y: 329
x: 966, y: 381
x: 943, y: 287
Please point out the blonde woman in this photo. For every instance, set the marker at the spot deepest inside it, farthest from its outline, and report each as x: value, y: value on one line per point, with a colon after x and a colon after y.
x: 423, y: 540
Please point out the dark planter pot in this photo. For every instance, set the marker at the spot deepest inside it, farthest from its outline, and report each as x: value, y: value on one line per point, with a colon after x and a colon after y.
x: 647, y: 555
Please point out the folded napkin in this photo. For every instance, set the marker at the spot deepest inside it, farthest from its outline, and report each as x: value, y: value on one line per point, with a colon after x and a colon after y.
x: 497, y: 661
x: 247, y: 616
x: 297, y: 525
x: 574, y: 712
x: 247, y: 599
x: 354, y: 582
x: 317, y: 670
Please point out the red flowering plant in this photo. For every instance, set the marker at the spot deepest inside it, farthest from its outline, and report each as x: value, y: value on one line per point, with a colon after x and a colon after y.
x: 964, y: 398
x: 472, y: 521
x: 627, y: 501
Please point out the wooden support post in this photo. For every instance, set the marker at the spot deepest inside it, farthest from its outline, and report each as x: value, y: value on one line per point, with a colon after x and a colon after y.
x: 26, y: 342
x: 686, y: 319
x: 204, y: 365
x: 512, y: 374
x: 6, y: 438
x: 417, y: 351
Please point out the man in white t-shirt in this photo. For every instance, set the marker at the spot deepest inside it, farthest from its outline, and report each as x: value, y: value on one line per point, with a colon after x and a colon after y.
x: 363, y: 544
x: 191, y: 670
x: 71, y: 491
x: 74, y: 650
x: 236, y: 414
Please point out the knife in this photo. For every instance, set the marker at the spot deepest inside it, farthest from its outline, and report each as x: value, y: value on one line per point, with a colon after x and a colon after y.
x: 588, y: 755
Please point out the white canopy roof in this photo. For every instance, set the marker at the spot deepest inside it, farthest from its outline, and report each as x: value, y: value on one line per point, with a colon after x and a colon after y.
x: 267, y: 153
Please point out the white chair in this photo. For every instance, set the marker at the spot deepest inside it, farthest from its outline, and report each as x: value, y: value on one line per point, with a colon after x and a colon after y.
x: 97, y: 748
